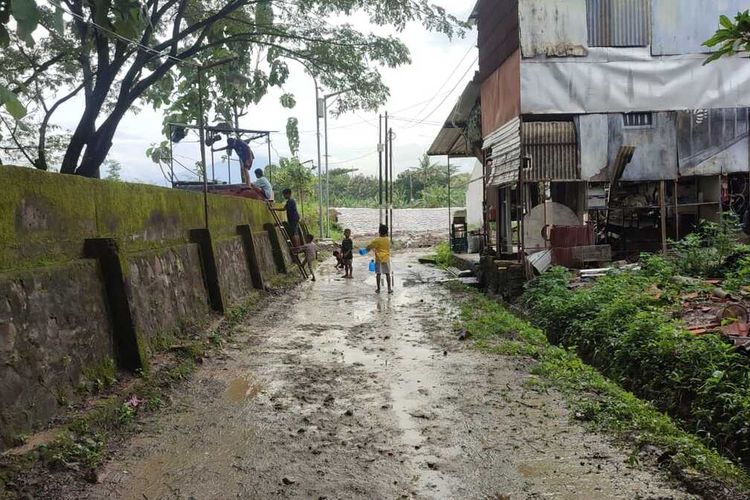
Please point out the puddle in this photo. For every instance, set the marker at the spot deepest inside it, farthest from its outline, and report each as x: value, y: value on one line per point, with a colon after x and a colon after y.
x: 241, y: 389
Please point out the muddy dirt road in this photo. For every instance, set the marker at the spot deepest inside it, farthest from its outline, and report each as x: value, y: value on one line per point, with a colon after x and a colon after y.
x: 339, y: 393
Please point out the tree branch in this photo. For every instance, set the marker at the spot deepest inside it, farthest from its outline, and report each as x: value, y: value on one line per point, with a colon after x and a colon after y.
x: 15, y: 140
x: 41, y: 162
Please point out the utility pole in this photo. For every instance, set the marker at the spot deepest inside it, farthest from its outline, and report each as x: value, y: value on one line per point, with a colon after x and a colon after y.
x: 387, y: 218
x: 380, y: 166
x: 318, y: 111
x: 390, y: 163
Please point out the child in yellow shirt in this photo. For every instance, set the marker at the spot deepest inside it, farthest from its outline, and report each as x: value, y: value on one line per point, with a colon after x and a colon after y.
x: 382, y: 248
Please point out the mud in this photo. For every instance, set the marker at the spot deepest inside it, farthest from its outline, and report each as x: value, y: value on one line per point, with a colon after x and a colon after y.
x: 336, y: 392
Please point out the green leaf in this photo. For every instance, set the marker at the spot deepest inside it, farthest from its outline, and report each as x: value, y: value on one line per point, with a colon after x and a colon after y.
x: 288, y: 101
x: 58, y: 23
x: 26, y: 14
x: 726, y: 22
x: 11, y: 103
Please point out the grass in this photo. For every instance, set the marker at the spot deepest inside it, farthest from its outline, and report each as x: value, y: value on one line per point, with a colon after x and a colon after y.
x: 604, y: 405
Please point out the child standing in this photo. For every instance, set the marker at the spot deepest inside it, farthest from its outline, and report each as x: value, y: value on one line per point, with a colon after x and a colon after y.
x: 347, y: 253
x: 311, y: 253
x: 382, y: 248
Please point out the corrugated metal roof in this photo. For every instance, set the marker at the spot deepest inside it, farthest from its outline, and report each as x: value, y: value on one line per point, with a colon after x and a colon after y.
x: 553, y: 149
x: 505, y: 146
x: 451, y: 140
x: 619, y: 23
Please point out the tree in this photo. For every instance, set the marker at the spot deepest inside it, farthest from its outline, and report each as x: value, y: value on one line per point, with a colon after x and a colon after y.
x: 113, y: 169
x: 293, y: 175
x: 732, y: 37
x: 122, y: 53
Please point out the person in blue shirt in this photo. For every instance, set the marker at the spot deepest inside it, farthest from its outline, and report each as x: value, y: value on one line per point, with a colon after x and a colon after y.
x: 292, y: 216
x: 245, y: 155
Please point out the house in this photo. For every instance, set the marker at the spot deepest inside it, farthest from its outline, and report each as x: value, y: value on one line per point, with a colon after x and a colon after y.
x: 603, y: 110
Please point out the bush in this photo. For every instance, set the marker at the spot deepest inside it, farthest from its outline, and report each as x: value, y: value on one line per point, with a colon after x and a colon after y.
x: 624, y: 326
x: 704, y: 253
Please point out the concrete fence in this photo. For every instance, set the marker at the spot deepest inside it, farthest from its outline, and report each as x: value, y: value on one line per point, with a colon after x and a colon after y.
x: 95, y: 275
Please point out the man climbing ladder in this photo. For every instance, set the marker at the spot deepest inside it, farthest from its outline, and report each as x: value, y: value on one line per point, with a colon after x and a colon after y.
x: 293, y: 220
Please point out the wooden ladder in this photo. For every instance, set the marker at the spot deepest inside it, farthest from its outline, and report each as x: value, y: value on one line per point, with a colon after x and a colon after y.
x: 279, y: 225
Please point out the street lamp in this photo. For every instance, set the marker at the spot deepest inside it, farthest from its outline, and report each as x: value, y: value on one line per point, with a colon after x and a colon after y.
x: 325, y: 126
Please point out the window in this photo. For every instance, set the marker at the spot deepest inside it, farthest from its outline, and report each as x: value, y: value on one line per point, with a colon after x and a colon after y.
x: 618, y: 23
x: 640, y: 120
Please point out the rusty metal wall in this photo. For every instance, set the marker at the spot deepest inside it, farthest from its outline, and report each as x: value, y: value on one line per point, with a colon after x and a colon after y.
x: 619, y: 23
x: 504, y: 146
x: 497, y: 33
x: 501, y: 95
x: 553, y: 149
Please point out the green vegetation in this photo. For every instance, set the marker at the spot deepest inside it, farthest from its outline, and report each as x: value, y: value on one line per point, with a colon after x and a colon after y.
x: 595, y: 399
x: 624, y: 325
x: 443, y: 254
x: 423, y: 186
x: 711, y: 251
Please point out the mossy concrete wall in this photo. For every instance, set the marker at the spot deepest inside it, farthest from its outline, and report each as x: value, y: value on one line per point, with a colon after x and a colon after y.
x: 45, y: 217
x: 146, y: 281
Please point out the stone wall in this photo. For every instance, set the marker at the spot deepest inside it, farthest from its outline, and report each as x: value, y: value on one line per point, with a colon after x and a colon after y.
x: 95, y: 276
x: 236, y: 282
x: 166, y: 292
x: 54, y: 336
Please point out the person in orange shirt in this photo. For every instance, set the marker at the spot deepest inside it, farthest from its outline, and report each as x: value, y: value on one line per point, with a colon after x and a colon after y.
x: 382, y: 248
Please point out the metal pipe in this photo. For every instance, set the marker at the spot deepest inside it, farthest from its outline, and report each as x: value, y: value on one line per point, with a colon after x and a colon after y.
x: 268, y: 167
x: 171, y: 155
x: 202, y: 140
x: 213, y: 167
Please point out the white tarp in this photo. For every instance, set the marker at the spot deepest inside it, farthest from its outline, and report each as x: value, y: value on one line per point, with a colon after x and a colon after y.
x: 475, y: 197
x: 625, y: 80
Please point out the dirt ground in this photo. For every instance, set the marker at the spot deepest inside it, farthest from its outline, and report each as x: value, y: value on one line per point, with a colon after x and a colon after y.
x: 336, y: 392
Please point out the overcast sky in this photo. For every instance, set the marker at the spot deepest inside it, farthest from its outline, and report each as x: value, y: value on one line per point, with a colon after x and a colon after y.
x: 425, y: 91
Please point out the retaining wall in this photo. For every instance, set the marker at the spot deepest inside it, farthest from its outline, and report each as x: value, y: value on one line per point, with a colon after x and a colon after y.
x: 95, y: 276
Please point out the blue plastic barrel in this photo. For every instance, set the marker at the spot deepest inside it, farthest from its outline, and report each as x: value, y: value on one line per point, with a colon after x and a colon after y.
x: 372, y: 266
x: 363, y: 251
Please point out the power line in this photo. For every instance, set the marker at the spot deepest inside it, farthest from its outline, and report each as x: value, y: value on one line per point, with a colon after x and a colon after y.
x: 445, y: 82
x: 460, y: 80
x: 371, y: 153
x: 139, y: 45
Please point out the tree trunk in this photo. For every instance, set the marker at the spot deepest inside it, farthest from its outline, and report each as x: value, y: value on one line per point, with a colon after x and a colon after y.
x: 98, y: 146
x: 87, y: 125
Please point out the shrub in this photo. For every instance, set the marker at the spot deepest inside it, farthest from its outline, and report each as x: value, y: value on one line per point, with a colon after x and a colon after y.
x: 624, y: 326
